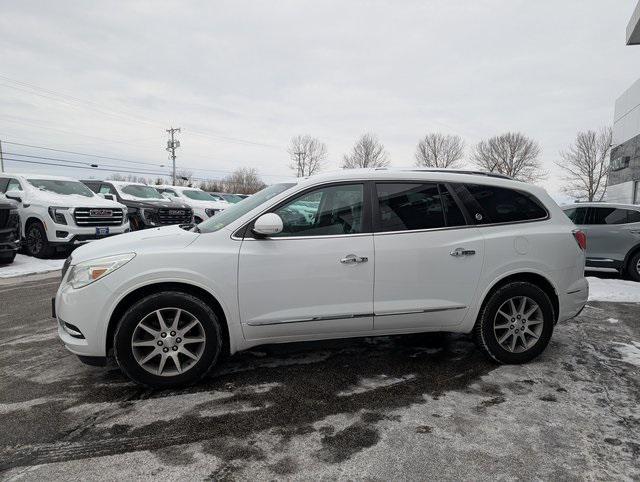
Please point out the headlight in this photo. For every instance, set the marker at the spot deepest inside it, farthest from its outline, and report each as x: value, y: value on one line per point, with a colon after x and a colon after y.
x: 150, y: 216
x: 85, y: 273
x: 57, y: 215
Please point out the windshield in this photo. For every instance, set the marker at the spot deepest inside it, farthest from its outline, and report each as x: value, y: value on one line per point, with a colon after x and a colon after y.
x: 197, y: 195
x: 144, y: 192
x: 232, y: 198
x: 61, y: 187
x: 229, y: 215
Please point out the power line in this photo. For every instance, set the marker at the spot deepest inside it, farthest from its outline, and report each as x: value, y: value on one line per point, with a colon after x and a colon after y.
x: 63, y: 160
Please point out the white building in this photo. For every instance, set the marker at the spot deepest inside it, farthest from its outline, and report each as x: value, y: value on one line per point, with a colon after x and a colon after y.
x: 624, y: 176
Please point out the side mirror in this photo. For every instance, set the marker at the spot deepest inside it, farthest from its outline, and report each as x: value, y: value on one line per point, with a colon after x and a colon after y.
x: 268, y: 225
x: 106, y: 196
x: 15, y: 195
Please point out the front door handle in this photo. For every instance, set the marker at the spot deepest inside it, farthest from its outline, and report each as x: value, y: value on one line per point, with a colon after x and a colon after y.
x: 462, y: 252
x: 353, y: 259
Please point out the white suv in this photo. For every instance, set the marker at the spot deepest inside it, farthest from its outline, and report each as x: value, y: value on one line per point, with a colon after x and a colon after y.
x: 357, y: 253
x: 203, y: 204
x: 60, y: 212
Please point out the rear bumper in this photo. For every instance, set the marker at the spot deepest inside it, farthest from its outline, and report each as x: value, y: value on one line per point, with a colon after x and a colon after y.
x: 573, y: 300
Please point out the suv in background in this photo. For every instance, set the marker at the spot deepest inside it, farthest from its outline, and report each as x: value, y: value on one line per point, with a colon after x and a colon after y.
x: 9, y: 230
x: 203, y: 205
x: 224, y: 196
x: 350, y: 254
x: 147, y: 207
x: 60, y: 212
x: 613, y: 235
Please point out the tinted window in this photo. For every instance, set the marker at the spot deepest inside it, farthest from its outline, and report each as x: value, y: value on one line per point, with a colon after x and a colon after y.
x: 576, y: 214
x: 608, y: 216
x: 410, y: 206
x: 501, y: 205
x: 143, y: 192
x: 327, y: 211
x: 197, y: 195
x: 633, y: 216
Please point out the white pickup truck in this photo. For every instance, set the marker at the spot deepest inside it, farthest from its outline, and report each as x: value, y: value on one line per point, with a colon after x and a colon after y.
x: 59, y: 213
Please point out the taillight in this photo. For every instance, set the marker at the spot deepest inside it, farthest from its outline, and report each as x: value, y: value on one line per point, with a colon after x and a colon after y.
x: 581, y: 239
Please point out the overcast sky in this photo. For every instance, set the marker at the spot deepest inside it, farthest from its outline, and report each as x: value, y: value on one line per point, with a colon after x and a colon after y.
x: 241, y: 78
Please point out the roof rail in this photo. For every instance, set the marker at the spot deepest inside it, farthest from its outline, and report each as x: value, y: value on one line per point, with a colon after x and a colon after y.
x: 456, y: 171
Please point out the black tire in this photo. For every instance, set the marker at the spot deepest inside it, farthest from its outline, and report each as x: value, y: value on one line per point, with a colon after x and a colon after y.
x: 486, y: 337
x: 35, y: 241
x: 7, y: 258
x: 123, y: 338
x: 633, y: 267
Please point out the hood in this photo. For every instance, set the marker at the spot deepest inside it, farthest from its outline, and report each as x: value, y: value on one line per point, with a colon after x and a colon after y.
x: 168, y: 237
x: 46, y: 198
x: 155, y: 203
x: 7, y: 203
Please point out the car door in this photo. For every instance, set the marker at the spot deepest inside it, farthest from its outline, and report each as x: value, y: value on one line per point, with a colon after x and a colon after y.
x: 608, y: 240
x: 428, y: 260
x: 315, y: 278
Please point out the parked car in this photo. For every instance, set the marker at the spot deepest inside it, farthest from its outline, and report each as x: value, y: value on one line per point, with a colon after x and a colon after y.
x: 201, y: 202
x: 230, y: 198
x: 386, y: 252
x: 9, y: 230
x: 147, y: 208
x: 59, y: 213
x: 613, y: 233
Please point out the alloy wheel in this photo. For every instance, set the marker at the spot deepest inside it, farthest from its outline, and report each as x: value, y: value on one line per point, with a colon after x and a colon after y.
x: 34, y: 240
x: 168, y: 342
x: 518, y: 324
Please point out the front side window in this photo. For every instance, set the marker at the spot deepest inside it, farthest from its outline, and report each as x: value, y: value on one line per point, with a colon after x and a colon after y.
x: 106, y: 189
x: 14, y: 185
x: 61, y: 187
x: 409, y: 206
x: 493, y: 204
x: 633, y: 216
x: 170, y: 192
x: 607, y: 216
x: 327, y: 211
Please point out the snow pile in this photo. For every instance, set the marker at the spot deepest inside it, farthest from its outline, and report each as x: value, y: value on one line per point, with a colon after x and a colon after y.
x: 24, y: 265
x: 630, y: 352
x: 613, y: 290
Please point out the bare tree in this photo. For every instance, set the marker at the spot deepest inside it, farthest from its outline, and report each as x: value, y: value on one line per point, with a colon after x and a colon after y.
x: 368, y: 151
x: 512, y: 154
x: 128, y: 178
x: 440, y: 150
x: 307, y: 155
x: 184, y: 178
x: 586, y: 164
x: 243, y: 180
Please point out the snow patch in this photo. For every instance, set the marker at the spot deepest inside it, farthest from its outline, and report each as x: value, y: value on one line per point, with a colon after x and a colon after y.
x: 613, y: 290
x: 613, y: 320
x: 630, y: 352
x: 24, y: 265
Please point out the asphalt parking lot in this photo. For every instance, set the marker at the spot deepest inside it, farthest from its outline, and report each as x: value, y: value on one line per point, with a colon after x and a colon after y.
x: 412, y: 407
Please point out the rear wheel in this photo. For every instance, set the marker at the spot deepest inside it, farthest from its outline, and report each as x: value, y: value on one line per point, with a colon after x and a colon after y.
x: 515, y: 324
x: 36, y: 242
x: 633, y: 267
x: 167, y: 340
x: 7, y: 258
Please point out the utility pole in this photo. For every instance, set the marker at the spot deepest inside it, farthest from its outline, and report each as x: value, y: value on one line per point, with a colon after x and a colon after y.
x: 300, y: 172
x: 1, y: 159
x: 172, y: 145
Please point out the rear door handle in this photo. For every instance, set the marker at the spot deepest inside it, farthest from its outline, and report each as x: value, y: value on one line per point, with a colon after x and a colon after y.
x: 462, y: 252
x: 353, y: 259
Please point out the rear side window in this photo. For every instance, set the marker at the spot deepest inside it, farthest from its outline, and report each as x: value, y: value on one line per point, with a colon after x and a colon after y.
x: 633, y: 216
x: 576, y: 215
x: 411, y: 206
x: 492, y: 204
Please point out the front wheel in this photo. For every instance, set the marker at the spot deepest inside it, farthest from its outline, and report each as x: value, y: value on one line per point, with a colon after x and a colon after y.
x: 168, y: 339
x: 36, y: 243
x: 515, y: 324
x: 633, y: 267
x: 7, y: 258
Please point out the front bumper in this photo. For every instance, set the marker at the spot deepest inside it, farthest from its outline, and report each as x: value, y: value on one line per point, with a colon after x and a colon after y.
x: 9, y: 241
x: 61, y: 235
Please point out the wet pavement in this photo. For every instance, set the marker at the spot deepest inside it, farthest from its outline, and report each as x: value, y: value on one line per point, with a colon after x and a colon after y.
x: 409, y: 407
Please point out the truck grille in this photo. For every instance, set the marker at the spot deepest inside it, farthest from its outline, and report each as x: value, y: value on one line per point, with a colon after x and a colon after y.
x: 98, y: 216
x: 175, y: 216
x: 8, y: 219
